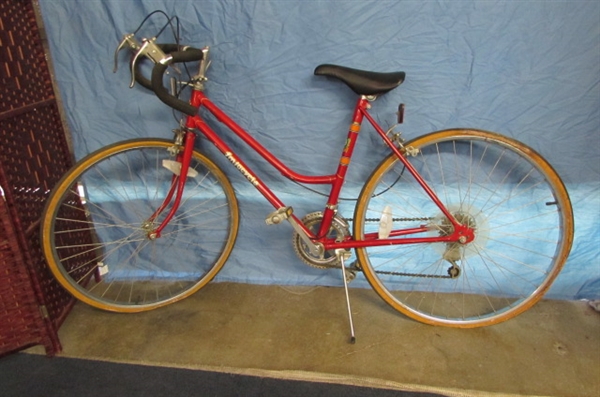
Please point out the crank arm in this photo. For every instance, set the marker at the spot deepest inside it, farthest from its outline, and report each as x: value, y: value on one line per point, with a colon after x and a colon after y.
x: 316, y: 249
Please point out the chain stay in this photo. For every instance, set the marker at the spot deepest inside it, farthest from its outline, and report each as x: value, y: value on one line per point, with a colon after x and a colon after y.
x: 402, y: 273
x: 412, y: 274
x: 394, y: 219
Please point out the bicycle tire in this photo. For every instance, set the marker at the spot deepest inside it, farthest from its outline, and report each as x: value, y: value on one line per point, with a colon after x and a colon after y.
x: 96, y: 223
x: 517, y: 204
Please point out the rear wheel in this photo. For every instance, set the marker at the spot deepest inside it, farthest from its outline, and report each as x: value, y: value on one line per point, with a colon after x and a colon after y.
x: 511, y: 197
x: 97, y: 223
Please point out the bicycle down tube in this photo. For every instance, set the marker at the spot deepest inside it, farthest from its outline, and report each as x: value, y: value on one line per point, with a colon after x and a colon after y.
x: 461, y: 232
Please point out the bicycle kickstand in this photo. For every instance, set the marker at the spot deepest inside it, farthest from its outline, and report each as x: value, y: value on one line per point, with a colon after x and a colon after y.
x: 342, y: 255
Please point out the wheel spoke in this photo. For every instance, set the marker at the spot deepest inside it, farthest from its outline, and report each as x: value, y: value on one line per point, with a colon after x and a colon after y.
x: 493, y: 184
x: 98, y: 242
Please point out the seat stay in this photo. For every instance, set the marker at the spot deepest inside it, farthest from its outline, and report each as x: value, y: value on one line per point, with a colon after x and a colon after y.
x: 415, y: 174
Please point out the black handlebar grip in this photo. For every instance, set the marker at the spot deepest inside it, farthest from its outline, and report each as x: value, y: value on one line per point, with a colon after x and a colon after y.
x: 156, y: 82
x: 162, y: 93
x: 139, y: 76
x: 189, y: 55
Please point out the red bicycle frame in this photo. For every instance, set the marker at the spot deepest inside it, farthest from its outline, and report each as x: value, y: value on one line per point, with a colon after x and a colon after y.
x: 461, y: 232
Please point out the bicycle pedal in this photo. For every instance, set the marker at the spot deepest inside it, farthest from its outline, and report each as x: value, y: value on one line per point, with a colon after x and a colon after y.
x: 279, y: 216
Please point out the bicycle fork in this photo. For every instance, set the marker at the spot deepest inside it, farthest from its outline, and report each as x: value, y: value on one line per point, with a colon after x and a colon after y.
x: 177, y: 186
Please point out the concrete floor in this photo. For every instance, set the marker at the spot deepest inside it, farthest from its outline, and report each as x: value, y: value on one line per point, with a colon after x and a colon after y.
x: 302, y: 332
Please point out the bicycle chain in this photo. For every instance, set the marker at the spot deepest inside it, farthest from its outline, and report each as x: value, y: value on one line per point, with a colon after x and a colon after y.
x: 412, y: 274
x: 402, y: 273
x: 393, y: 219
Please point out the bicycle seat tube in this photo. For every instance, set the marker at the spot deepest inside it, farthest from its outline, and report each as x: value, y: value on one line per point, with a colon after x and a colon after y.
x: 332, y: 203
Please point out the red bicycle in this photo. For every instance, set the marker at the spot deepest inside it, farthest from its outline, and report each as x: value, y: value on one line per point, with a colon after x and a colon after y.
x: 459, y: 227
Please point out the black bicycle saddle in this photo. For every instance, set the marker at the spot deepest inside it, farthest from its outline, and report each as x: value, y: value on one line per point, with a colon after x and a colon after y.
x: 361, y: 81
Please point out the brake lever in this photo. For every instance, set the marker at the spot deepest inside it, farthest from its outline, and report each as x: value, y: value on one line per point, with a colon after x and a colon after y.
x: 128, y: 40
x: 148, y: 48
x: 151, y: 50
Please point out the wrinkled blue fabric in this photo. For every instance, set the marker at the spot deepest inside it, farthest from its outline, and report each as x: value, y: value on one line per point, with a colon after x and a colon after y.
x: 528, y: 70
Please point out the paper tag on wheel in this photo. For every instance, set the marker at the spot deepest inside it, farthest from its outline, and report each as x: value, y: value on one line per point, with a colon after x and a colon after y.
x: 175, y: 167
x: 102, y: 268
x: 385, y: 223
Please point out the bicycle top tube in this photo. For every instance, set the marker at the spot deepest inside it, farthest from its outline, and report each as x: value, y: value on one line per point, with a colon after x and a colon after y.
x: 199, y: 99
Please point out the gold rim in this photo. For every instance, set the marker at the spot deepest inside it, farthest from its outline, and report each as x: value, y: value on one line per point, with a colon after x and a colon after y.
x: 69, y: 178
x: 525, y: 152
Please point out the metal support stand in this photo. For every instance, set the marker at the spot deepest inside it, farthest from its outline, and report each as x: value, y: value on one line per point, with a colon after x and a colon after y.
x: 342, y: 256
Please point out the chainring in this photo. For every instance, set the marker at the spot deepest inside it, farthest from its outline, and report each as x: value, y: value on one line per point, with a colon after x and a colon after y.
x: 339, y: 230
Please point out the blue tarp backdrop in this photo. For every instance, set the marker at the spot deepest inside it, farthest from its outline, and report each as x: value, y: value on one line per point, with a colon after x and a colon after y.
x: 529, y: 70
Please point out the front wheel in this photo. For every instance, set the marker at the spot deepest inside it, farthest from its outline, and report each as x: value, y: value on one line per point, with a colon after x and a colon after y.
x: 511, y: 197
x: 96, y: 228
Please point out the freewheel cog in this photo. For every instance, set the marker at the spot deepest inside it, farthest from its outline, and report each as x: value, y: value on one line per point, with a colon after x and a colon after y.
x: 470, y: 216
x: 339, y: 230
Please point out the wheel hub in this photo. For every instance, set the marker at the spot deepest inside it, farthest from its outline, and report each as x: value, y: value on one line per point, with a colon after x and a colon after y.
x: 470, y: 217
